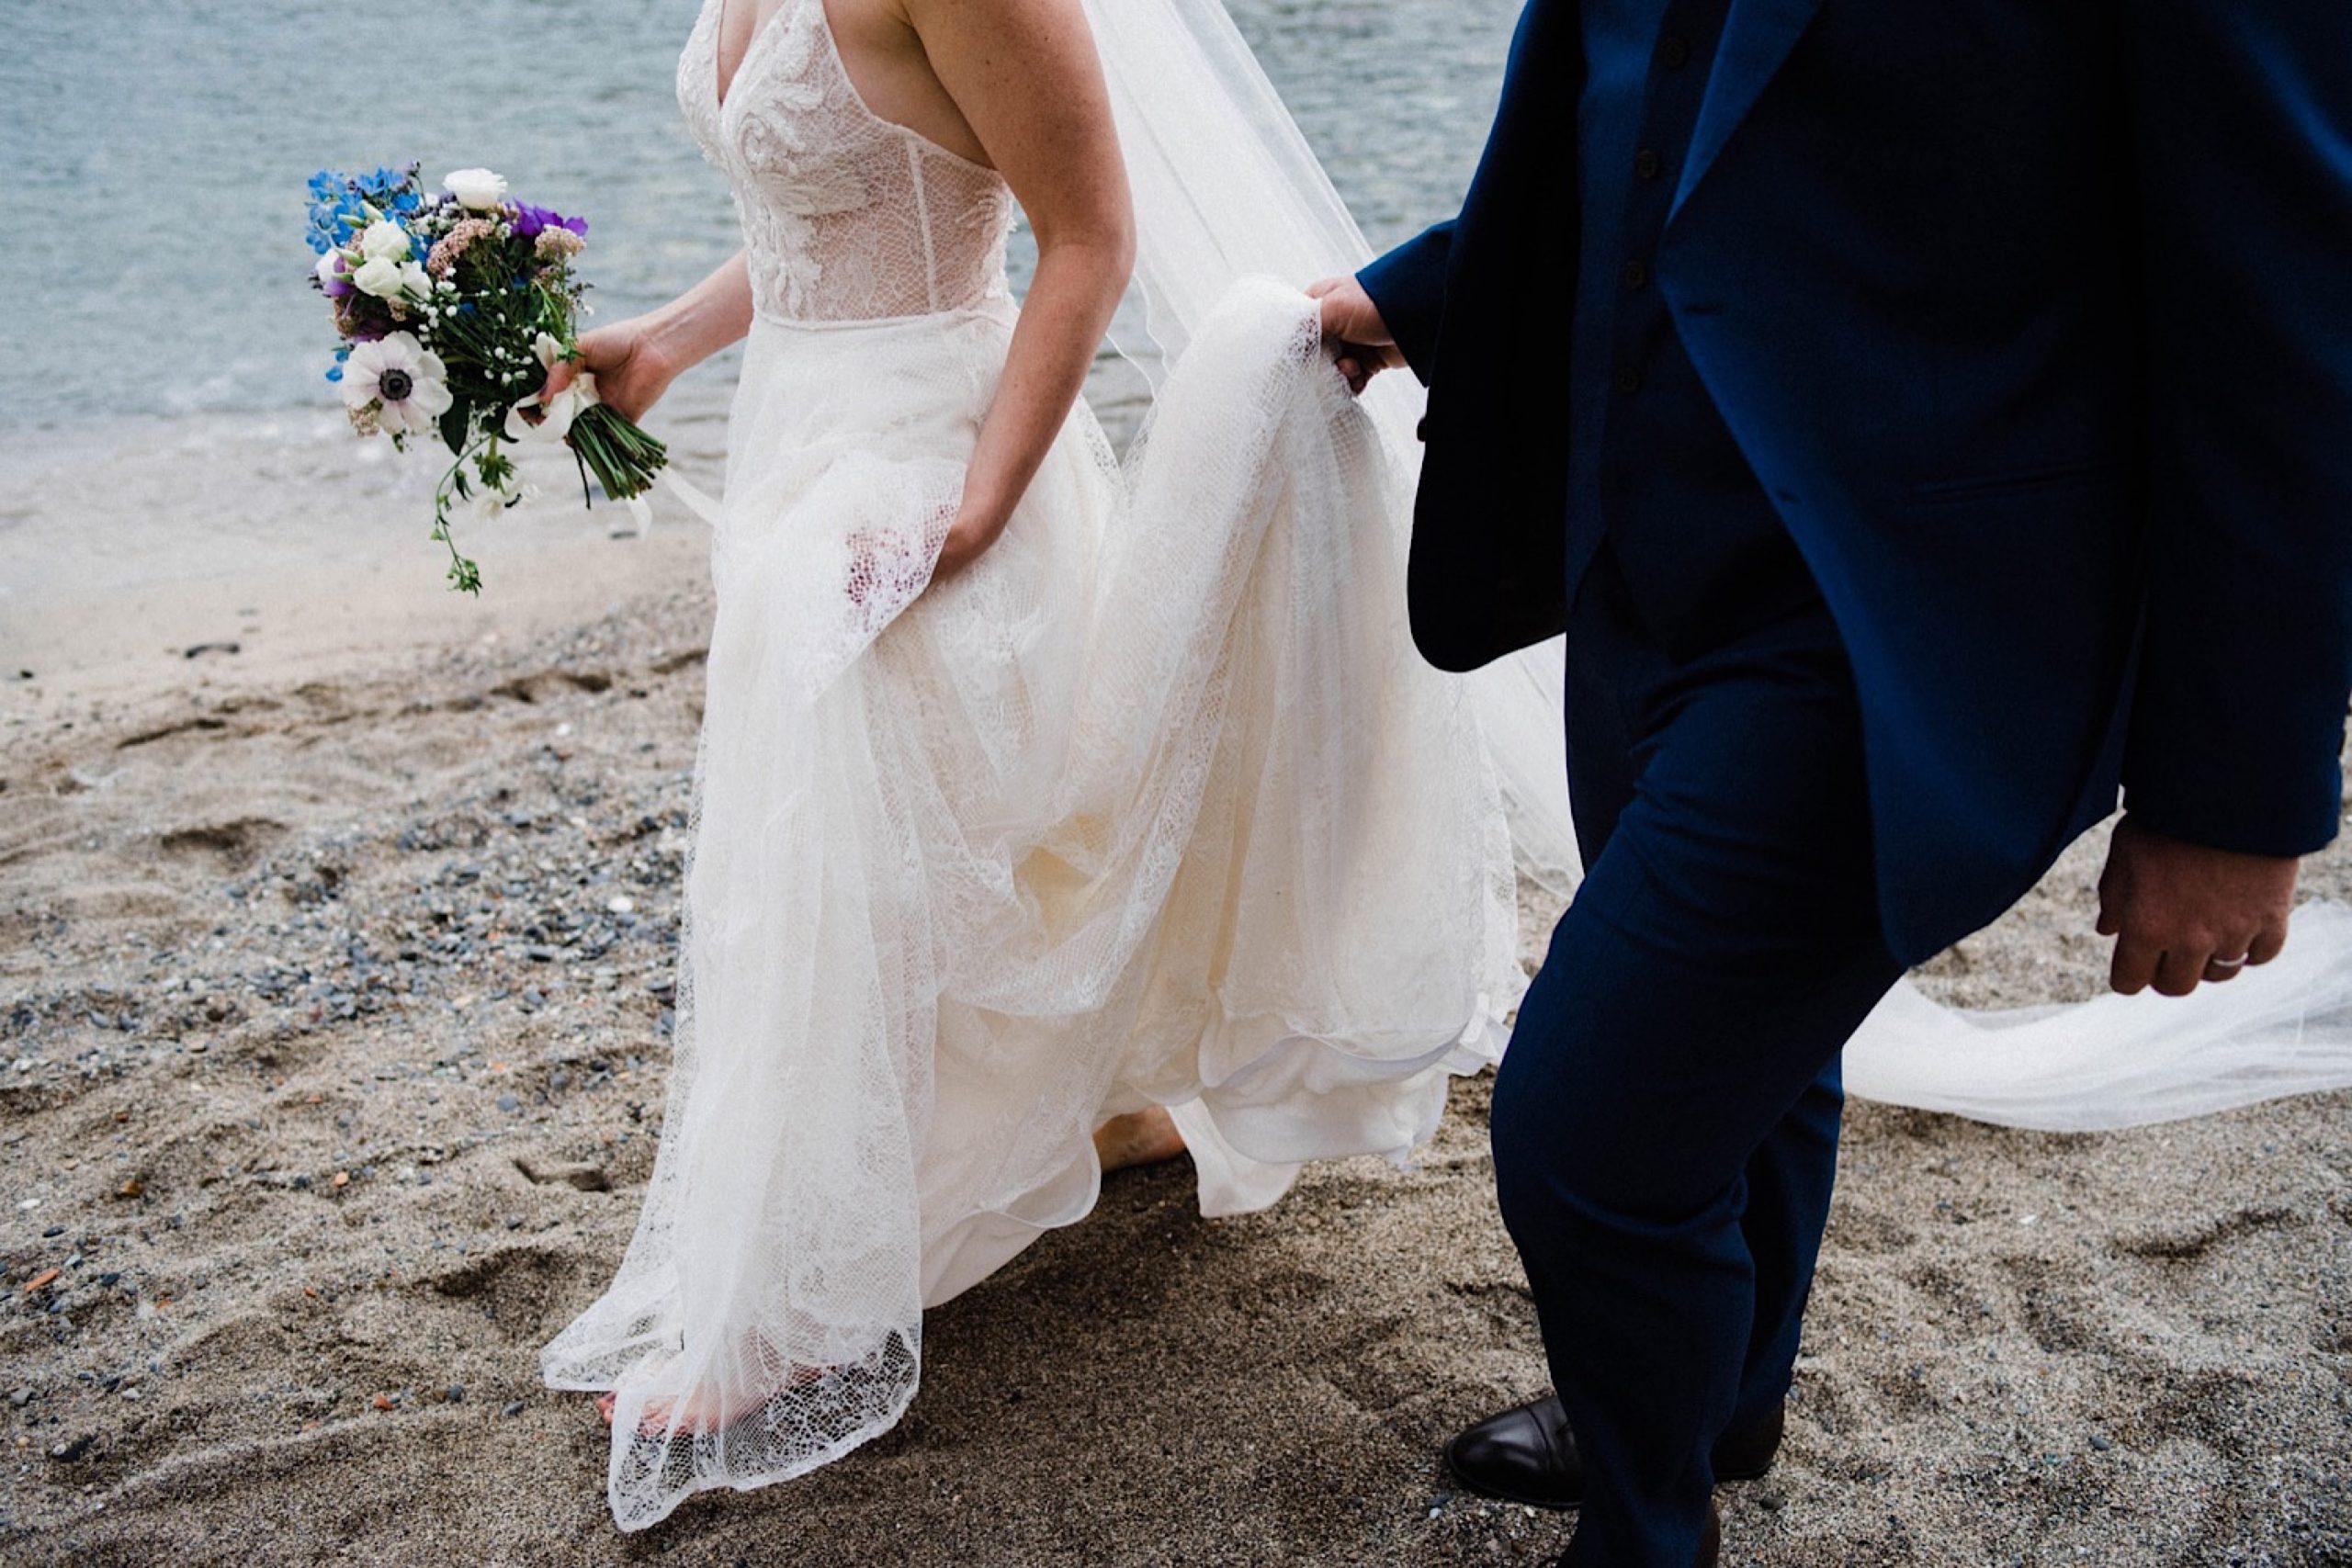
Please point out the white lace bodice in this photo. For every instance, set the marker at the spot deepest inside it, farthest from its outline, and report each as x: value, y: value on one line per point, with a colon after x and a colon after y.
x: 846, y: 216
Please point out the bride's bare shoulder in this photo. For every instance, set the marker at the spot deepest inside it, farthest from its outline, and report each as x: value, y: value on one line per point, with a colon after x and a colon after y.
x: 1017, y: 84
x: 1044, y: 42
x: 888, y: 59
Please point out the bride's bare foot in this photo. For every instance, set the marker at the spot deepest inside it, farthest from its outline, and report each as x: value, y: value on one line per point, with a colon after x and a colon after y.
x: 1142, y: 1137
x: 703, y: 1414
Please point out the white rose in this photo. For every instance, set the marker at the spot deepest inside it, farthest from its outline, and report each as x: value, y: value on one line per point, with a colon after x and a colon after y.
x: 384, y: 239
x: 477, y: 190
x: 390, y: 279
x: 327, y: 265
x: 381, y: 277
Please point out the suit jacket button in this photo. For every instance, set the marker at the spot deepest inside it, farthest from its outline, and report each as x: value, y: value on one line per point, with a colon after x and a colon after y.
x: 1629, y: 381
x: 1421, y: 428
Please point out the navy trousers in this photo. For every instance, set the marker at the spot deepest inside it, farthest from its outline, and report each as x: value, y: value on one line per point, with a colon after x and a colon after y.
x: 1665, y: 1123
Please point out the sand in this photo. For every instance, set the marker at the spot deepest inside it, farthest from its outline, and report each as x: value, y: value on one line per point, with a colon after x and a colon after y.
x: 333, y: 986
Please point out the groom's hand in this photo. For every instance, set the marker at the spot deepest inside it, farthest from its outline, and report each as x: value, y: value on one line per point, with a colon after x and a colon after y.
x: 1362, y: 344
x: 2182, y: 913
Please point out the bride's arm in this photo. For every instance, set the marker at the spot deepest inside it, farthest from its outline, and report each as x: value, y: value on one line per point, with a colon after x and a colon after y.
x: 636, y: 360
x: 1027, y: 81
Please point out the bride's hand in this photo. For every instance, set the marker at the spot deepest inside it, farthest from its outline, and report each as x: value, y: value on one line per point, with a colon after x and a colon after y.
x: 1362, y: 344
x: 968, y: 539
x: 631, y: 371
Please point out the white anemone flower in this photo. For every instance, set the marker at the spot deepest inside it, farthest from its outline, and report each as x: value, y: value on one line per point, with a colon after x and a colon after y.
x: 406, y: 380
x: 491, y: 502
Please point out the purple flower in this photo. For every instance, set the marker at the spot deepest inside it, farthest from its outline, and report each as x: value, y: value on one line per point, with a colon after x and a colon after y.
x: 531, y: 222
x: 360, y: 318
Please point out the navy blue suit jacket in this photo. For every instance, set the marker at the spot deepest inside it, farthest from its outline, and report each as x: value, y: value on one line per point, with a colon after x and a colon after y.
x: 2035, y: 322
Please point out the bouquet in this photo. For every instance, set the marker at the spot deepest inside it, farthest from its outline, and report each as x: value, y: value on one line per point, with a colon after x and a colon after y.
x: 454, y: 306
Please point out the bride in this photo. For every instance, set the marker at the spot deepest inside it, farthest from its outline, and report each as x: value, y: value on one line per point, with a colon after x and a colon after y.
x: 1057, y: 812
x: 1052, y: 816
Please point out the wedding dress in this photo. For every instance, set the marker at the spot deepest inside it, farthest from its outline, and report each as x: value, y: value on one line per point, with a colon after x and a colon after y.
x: 1153, y: 804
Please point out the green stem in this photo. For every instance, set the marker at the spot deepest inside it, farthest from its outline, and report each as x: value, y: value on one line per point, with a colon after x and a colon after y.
x: 464, y: 575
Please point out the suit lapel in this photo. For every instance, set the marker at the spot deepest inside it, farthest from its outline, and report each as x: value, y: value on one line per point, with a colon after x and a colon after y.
x: 1756, y: 38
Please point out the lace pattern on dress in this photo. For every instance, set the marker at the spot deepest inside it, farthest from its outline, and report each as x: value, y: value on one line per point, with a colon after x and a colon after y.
x: 847, y: 217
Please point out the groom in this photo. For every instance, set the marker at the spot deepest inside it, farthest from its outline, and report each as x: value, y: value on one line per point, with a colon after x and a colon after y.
x: 1924, y: 421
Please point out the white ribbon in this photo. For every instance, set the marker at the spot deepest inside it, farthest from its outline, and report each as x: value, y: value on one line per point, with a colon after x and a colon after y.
x: 697, y: 501
x: 556, y: 417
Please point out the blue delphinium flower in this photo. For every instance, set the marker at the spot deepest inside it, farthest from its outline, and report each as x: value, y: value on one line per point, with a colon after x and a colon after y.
x: 339, y: 203
x: 337, y: 211
x: 329, y: 191
x: 393, y: 191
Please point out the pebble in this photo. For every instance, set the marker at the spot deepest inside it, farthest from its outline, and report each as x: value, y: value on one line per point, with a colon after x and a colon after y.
x: 513, y: 1407
x: 508, y: 1102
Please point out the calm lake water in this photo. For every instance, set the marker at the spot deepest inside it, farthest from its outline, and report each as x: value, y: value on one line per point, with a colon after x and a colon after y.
x: 152, y: 155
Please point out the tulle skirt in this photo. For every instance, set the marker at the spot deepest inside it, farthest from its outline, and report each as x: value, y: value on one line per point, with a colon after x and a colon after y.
x: 1153, y: 804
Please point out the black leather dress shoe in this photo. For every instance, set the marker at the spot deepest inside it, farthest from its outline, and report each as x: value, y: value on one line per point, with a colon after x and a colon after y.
x: 1527, y: 1455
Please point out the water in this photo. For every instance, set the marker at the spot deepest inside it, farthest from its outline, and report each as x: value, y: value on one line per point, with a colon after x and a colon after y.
x: 153, y: 304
